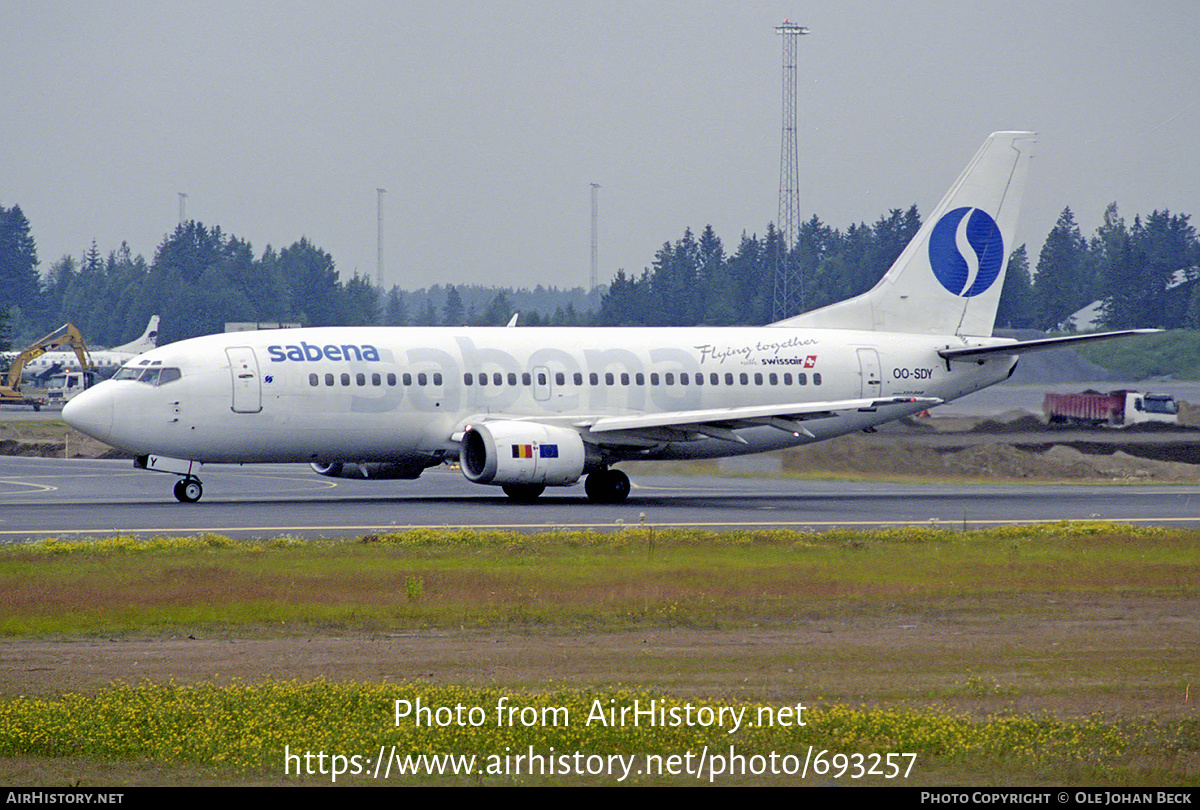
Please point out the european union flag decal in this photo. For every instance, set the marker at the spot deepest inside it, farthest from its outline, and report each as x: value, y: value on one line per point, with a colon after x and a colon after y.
x: 548, y: 450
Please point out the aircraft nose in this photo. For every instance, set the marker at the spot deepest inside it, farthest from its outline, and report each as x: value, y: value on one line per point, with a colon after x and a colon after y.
x: 91, y: 412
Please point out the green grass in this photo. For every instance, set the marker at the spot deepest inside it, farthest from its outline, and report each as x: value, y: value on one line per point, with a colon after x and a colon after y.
x: 1175, y: 353
x: 267, y: 728
x: 634, y: 577
x: 1044, y: 655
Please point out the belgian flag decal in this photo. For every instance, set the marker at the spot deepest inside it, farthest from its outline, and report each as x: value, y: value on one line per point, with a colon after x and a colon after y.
x: 532, y: 450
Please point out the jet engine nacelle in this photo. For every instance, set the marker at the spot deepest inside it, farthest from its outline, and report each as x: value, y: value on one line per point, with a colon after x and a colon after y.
x: 509, y: 452
x: 368, y: 469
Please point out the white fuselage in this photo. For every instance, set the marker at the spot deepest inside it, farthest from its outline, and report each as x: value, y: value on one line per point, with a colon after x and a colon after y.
x: 402, y: 393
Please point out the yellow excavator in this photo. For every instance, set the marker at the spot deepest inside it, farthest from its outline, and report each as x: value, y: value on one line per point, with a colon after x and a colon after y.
x: 65, y: 335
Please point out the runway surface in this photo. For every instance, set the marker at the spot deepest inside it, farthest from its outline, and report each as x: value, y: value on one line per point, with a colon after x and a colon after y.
x: 69, y: 498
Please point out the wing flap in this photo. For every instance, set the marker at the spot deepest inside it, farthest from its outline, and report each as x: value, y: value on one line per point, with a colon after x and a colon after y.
x: 783, y: 416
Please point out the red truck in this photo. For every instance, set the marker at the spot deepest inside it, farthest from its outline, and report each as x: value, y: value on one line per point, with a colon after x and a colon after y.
x: 1116, y: 408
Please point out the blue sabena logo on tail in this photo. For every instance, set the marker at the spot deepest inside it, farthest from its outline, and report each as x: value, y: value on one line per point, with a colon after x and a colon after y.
x: 966, y: 251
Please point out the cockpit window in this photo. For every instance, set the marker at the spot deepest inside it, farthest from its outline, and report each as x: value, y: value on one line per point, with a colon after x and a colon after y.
x: 155, y: 375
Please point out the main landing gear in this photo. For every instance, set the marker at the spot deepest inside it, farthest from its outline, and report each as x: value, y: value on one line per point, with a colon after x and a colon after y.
x: 607, y: 486
x: 188, y: 490
x: 602, y: 486
x: 523, y: 493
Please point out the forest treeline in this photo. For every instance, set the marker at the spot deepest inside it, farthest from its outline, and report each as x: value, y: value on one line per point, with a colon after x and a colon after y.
x: 200, y: 277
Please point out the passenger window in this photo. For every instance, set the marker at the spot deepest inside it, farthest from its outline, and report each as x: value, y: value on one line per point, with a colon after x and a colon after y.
x: 437, y: 378
x: 406, y: 378
x: 802, y: 379
x: 313, y: 379
x: 608, y: 378
x: 758, y: 378
x: 744, y: 378
x: 594, y: 378
x: 654, y: 378
x: 329, y: 379
x: 422, y: 379
x: 392, y: 380
x: 578, y: 378
x: 512, y: 378
x: 728, y: 379
x: 560, y: 378
x: 787, y: 379
x: 774, y: 378
x: 816, y: 379
x: 345, y: 379
x: 526, y: 379
x: 360, y: 378
x: 498, y: 378
x: 624, y: 378
x: 683, y: 379
x: 376, y: 379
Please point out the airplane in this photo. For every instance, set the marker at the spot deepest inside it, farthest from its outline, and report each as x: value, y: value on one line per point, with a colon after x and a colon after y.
x: 105, y: 362
x: 531, y: 408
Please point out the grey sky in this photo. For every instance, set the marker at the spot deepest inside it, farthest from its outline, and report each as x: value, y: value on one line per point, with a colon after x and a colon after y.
x: 487, y: 121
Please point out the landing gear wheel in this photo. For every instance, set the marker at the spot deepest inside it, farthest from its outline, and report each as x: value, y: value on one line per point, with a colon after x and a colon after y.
x: 524, y: 493
x: 607, y: 486
x: 188, y: 490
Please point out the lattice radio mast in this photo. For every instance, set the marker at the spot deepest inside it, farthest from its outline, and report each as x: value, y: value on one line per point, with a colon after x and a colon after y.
x: 789, y: 283
x: 595, y: 239
x: 379, y: 238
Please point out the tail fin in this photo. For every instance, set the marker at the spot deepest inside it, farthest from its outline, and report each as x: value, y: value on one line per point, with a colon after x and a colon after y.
x: 146, y: 342
x: 948, y: 279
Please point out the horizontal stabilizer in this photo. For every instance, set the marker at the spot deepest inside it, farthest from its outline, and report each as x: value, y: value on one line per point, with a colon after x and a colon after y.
x: 1040, y: 345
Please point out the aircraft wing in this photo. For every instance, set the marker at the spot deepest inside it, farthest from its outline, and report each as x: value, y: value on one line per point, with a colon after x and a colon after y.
x: 719, y: 423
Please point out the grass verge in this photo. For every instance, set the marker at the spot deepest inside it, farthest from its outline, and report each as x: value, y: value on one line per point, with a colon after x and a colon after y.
x: 1059, y: 654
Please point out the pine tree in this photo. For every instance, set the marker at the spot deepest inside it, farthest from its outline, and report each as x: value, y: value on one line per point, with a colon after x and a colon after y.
x: 1016, y: 310
x: 1061, y: 284
x: 19, y: 284
x: 453, y: 313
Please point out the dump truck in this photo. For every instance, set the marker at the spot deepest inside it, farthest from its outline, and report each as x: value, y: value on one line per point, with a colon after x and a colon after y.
x: 65, y: 386
x: 1114, y: 409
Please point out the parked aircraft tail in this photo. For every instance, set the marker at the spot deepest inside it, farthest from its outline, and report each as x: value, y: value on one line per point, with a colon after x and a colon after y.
x: 948, y: 279
x: 145, y: 343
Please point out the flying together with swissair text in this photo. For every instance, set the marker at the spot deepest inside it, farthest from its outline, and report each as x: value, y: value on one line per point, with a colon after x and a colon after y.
x: 530, y: 408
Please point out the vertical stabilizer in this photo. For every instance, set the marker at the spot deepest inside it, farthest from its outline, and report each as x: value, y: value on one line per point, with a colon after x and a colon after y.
x: 948, y: 279
x: 145, y: 343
